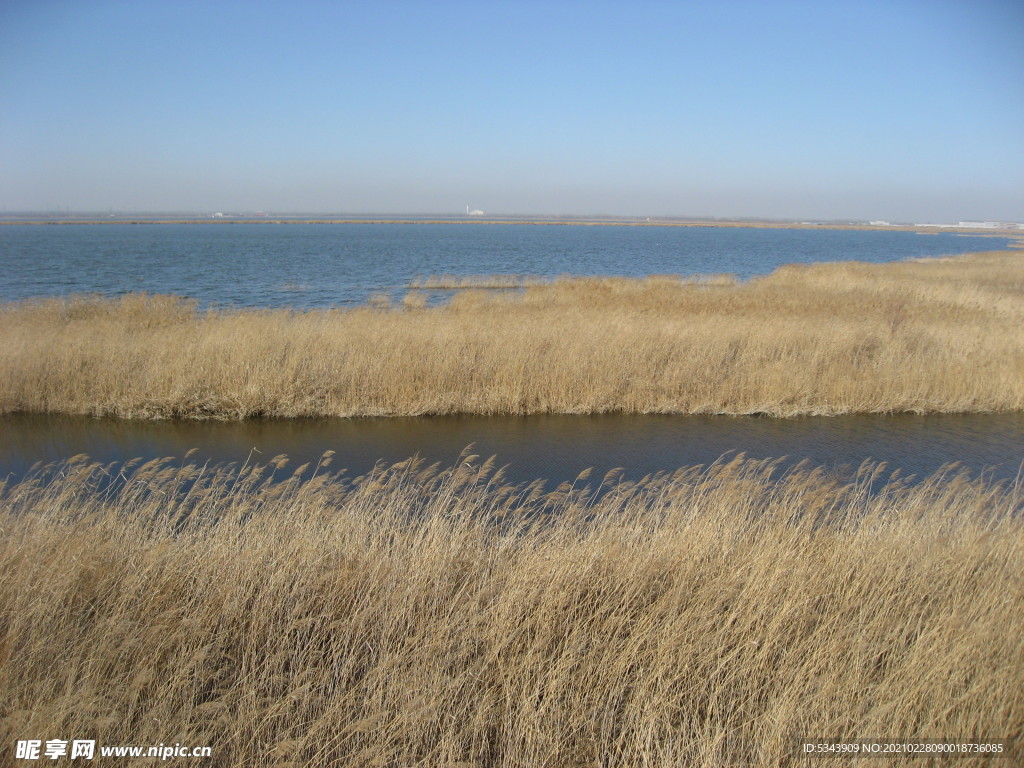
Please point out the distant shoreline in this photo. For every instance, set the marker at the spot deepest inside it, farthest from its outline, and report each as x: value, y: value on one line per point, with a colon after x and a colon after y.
x: 539, y: 221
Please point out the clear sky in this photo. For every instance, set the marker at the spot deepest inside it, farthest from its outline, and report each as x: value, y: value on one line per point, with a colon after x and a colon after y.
x: 907, y: 110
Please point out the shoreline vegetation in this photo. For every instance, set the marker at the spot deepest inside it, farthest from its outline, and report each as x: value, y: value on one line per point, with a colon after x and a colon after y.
x: 922, y: 336
x: 713, y: 616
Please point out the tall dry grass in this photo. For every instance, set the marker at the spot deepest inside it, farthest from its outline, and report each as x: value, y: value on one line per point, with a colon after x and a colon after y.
x: 931, y: 336
x: 463, y: 282
x: 413, y: 617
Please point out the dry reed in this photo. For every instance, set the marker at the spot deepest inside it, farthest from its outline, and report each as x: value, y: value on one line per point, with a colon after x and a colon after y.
x: 463, y: 282
x: 941, y: 335
x: 709, y: 617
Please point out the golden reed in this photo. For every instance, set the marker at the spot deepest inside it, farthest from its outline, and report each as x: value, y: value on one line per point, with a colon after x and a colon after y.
x: 940, y: 335
x: 711, y: 617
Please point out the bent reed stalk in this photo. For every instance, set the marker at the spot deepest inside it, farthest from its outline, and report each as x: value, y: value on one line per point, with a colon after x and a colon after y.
x: 713, y: 616
x: 939, y: 335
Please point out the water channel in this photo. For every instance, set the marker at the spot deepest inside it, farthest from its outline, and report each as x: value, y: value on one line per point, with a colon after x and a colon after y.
x: 554, y: 448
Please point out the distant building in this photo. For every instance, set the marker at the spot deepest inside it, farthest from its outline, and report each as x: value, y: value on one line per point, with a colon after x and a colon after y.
x: 474, y: 212
x: 979, y: 224
x: 879, y: 223
x: 217, y: 216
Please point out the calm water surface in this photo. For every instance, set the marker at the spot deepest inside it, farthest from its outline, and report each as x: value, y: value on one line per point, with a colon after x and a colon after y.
x: 555, y: 448
x: 318, y: 265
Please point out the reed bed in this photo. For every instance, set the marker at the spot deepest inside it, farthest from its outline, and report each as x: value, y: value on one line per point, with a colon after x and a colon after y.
x: 417, y: 617
x: 940, y: 335
x: 512, y: 282
x: 463, y: 282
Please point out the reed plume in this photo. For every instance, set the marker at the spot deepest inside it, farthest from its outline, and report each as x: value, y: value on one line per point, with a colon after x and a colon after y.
x: 712, y: 616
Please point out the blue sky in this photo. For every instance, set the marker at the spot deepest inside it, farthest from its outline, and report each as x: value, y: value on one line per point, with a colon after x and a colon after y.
x: 907, y: 110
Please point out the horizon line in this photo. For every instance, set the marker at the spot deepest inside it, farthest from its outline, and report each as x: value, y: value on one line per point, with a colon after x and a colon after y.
x: 206, y: 214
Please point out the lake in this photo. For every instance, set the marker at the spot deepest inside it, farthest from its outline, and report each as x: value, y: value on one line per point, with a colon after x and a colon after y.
x: 337, y: 264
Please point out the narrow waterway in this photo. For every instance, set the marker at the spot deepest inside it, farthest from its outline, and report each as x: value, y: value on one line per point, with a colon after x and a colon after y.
x: 554, y: 448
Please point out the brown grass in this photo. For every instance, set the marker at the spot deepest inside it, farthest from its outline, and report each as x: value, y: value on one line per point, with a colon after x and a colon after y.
x: 463, y: 282
x: 421, y: 618
x: 940, y: 335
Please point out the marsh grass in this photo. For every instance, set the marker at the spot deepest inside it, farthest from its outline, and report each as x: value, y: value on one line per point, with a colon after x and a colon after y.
x: 483, y: 282
x: 928, y: 336
x: 713, y: 616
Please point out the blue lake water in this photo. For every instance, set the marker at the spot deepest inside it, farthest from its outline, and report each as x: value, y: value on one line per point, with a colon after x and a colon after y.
x: 337, y: 264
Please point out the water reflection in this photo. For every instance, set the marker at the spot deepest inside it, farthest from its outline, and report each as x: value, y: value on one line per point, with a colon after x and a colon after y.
x: 554, y: 448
